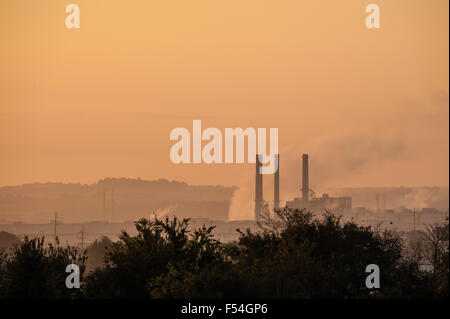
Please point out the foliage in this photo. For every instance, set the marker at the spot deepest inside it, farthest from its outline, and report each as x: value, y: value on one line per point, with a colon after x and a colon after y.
x: 140, y: 266
x: 436, y: 240
x: 34, y: 270
x: 293, y: 255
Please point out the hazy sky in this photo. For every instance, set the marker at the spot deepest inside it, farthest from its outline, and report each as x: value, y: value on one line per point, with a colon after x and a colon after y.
x: 371, y: 107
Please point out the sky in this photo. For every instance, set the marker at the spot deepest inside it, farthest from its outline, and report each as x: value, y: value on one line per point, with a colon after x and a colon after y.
x: 370, y: 106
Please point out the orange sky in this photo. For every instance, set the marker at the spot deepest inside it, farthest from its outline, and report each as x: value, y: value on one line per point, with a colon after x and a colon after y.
x: 370, y: 106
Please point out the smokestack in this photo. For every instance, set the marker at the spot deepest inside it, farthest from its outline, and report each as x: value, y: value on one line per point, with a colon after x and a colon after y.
x: 258, y: 190
x: 305, y: 178
x: 276, y: 183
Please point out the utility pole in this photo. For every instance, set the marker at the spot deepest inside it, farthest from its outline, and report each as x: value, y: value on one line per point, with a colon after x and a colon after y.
x: 56, y: 217
x: 414, y: 220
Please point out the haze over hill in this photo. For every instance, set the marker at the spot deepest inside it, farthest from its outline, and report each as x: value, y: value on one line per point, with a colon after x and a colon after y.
x: 112, y: 199
x: 124, y: 199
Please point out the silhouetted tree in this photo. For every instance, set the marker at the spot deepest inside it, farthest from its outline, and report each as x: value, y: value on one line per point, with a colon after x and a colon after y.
x: 33, y: 270
x: 296, y: 256
x: 152, y: 263
x: 436, y: 241
x: 292, y: 255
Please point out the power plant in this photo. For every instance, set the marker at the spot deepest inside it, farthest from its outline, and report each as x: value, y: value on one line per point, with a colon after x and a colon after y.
x: 339, y: 205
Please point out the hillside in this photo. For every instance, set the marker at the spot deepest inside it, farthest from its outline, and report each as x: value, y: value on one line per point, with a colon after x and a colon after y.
x: 112, y: 199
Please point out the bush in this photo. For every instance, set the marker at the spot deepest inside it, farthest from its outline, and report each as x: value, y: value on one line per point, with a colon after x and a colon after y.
x: 35, y: 271
x: 292, y: 256
x: 156, y: 262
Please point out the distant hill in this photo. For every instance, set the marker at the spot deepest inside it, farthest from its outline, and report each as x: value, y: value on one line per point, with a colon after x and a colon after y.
x: 112, y: 199
x: 394, y: 197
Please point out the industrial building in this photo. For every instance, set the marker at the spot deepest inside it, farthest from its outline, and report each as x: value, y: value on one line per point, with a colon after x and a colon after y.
x: 338, y: 205
x: 261, y: 207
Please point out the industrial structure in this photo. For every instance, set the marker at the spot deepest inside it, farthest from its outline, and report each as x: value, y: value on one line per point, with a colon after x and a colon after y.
x: 339, y: 205
x: 259, y: 201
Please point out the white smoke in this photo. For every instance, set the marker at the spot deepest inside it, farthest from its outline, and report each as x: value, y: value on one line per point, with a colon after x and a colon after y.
x: 242, y: 205
x: 424, y: 197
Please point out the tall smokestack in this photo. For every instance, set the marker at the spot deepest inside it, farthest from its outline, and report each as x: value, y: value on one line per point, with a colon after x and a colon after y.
x: 276, y: 184
x: 258, y: 190
x: 305, y: 178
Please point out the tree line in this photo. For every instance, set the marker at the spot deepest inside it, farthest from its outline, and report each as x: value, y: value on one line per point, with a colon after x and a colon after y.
x: 292, y: 255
